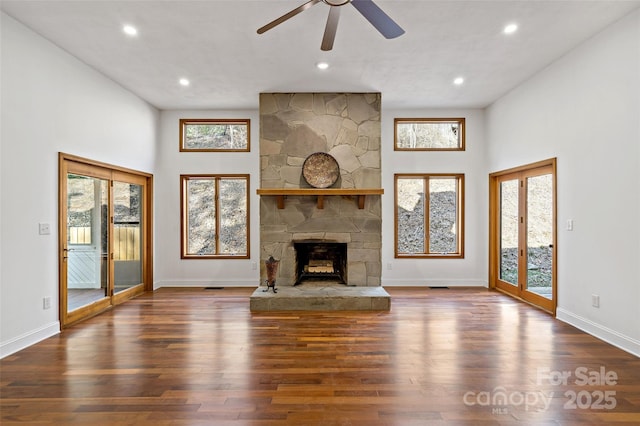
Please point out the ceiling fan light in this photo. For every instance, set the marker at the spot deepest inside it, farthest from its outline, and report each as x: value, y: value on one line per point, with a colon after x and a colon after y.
x: 322, y: 65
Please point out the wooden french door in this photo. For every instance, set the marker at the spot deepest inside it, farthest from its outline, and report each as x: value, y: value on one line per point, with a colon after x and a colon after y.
x: 522, y: 259
x: 104, y: 236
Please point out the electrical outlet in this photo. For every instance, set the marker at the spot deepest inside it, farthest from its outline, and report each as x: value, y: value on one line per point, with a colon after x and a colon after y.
x: 254, y: 266
x: 46, y: 303
x: 595, y: 300
x: 44, y: 229
x: 569, y: 224
x: 389, y: 266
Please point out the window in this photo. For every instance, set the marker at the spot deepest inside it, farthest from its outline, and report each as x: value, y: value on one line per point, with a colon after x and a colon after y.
x: 127, y: 217
x: 215, y: 216
x: 429, y: 215
x: 79, y: 221
x: 201, y: 135
x: 429, y: 134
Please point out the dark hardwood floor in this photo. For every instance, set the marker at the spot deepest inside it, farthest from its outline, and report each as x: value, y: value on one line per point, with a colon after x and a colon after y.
x: 440, y: 356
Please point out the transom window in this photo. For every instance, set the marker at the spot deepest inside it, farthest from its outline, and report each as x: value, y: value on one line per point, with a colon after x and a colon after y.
x: 429, y: 134
x: 214, y: 216
x: 429, y: 215
x: 214, y: 135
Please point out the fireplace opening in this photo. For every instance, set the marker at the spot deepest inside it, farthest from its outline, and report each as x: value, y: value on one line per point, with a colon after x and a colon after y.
x: 320, y: 260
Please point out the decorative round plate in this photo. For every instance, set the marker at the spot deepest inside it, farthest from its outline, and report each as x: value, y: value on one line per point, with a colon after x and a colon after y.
x: 320, y: 170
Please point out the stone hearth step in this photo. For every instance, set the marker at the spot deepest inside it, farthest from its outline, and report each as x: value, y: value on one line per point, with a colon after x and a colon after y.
x: 320, y: 297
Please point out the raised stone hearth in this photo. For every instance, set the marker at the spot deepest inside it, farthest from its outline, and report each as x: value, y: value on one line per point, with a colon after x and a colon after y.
x: 319, y: 296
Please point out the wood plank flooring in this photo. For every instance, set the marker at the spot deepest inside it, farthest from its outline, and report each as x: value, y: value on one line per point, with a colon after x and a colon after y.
x: 440, y: 356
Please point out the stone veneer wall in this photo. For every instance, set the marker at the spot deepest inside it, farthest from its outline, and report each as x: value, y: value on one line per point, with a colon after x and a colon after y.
x: 347, y: 126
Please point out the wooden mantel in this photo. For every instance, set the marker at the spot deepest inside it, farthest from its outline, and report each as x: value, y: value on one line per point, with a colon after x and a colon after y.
x: 281, y: 193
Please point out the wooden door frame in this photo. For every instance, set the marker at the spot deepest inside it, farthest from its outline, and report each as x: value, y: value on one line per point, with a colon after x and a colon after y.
x: 494, y: 233
x: 103, y: 171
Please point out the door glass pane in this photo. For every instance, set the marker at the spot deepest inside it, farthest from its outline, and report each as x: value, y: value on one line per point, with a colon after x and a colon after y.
x: 233, y: 216
x: 87, y: 243
x: 443, y: 199
x: 127, y: 235
x: 540, y: 234
x: 410, y: 193
x: 509, y: 231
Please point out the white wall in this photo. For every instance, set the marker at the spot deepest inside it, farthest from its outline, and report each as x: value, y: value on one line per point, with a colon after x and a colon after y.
x: 585, y: 110
x: 170, y: 270
x: 51, y: 103
x: 473, y: 269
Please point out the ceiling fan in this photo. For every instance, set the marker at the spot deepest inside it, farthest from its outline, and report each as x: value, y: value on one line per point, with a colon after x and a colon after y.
x: 380, y: 20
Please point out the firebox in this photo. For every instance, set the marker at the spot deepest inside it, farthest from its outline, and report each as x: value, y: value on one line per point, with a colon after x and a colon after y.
x: 320, y: 260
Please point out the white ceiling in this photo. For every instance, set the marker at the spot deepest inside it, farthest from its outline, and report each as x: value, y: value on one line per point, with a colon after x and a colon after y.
x: 214, y: 44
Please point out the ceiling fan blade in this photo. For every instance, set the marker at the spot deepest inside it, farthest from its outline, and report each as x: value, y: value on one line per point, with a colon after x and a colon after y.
x: 331, y: 28
x: 286, y: 16
x: 383, y: 23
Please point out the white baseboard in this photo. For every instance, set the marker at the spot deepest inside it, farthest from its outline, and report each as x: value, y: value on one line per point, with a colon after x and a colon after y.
x: 613, y: 337
x: 432, y: 283
x: 206, y: 283
x: 31, y: 338
x: 385, y: 283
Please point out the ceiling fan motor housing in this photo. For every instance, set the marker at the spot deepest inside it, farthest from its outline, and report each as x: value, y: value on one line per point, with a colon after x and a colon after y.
x: 336, y: 2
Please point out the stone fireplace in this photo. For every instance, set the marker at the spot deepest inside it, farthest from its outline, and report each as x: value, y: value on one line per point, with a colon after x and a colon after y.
x: 344, y: 218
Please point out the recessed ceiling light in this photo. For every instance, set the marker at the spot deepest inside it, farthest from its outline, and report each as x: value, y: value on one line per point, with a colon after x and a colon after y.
x: 129, y: 30
x: 322, y: 65
x: 184, y: 82
x: 510, y: 29
x: 458, y: 81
